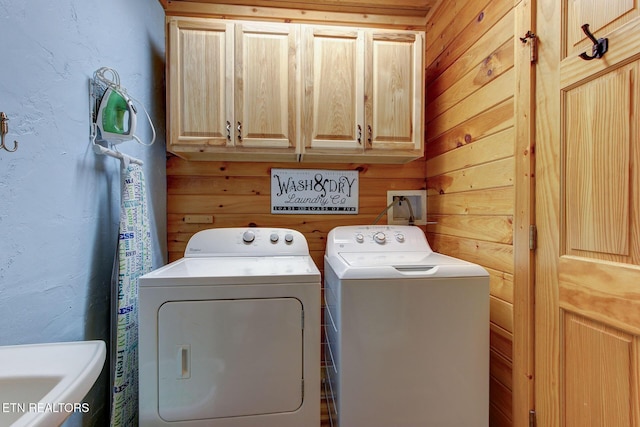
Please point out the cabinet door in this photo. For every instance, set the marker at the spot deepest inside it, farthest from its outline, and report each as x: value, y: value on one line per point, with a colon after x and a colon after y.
x: 200, y: 66
x: 394, y: 92
x: 333, y: 90
x: 266, y: 89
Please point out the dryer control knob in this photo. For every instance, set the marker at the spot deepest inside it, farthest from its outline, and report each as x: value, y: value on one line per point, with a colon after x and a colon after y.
x: 359, y: 238
x: 248, y: 236
x: 288, y: 238
x: 400, y: 237
x: 274, y: 237
x: 379, y: 237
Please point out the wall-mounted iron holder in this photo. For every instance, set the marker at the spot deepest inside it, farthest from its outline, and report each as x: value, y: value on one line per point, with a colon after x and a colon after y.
x: 4, y: 129
x: 600, y: 46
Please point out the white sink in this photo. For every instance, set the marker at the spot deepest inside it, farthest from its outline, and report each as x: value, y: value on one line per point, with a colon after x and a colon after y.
x: 42, y: 384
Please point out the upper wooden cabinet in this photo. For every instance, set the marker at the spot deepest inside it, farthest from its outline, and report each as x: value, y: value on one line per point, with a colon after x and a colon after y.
x: 394, y: 91
x: 232, y: 91
x: 333, y: 107
x: 256, y: 91
x: 266, y: 88
x: 362, y: 95
x: 200, y: 85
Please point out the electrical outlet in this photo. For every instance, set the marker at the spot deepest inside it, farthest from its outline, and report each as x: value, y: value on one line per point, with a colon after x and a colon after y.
x: 416, y: 202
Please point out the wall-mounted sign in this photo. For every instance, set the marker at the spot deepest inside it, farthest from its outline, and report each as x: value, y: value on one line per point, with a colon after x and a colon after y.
x: 308, y: 191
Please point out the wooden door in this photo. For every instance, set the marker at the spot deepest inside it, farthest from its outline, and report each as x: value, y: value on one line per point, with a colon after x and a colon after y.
x: 394, y: 76
x: 200, y: 83
x: 588, y: 216
x: 266, y: 92
x: 333, y: 117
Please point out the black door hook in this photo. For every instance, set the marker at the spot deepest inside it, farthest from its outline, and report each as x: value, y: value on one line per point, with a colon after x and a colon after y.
x: 600, y: 46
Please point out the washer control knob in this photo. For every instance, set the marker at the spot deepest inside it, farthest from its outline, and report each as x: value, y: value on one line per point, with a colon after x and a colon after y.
x: 379, y: 237
x: 288, y: 238
x: 248, y: 236
x: 274, y: 237
x: 400, y: 237
x: 359, y: 238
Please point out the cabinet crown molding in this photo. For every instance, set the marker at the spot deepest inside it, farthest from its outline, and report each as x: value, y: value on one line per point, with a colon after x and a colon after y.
x: 401, y: 14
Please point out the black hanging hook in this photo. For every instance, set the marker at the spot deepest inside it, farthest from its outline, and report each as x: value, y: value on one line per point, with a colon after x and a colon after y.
x: 600, y: 46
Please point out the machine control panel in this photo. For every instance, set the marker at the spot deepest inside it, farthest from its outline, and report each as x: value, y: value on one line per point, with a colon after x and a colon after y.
x: 247, y: 242
x: 378, y: 238
x: 251, y: 236
x: 381, y: 237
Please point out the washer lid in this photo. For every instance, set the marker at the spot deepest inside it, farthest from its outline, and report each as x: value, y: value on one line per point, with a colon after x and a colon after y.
x: 234, y: 270
x: 373, y: 259
x: 378, y: 265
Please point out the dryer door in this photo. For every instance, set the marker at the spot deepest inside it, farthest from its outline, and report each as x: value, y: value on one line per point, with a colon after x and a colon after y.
x: 229, y: 358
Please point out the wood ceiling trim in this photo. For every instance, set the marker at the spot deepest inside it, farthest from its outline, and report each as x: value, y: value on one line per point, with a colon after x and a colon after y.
x: 390, y: 7
x: 332, y: 12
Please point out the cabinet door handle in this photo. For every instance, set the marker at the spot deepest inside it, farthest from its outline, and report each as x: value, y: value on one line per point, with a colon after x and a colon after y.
x: 228, y: 130
x: 359, y: 134
x: 239, y: 131
x: 370, y: 134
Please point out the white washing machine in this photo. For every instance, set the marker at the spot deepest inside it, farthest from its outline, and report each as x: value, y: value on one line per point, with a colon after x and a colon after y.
x: 407, y: 332
x: 230, y: 334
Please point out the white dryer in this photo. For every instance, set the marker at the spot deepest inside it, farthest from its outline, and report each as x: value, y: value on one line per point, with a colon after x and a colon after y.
x: 407, y: 331
x: 230, y: 334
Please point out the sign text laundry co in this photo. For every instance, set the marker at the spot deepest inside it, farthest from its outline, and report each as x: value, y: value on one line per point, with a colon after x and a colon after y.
x: 312, y: 191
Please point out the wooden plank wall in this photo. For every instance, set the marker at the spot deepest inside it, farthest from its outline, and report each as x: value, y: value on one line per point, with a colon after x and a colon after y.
x: 205, y: 195
x: 470, y: 160
x: 237, y: 194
